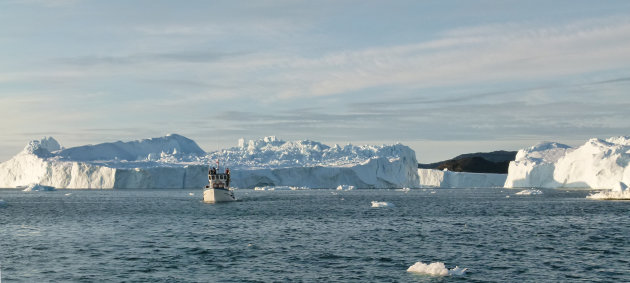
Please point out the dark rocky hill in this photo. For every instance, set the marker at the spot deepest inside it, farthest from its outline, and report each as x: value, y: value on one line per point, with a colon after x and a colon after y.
x: 480, y: 162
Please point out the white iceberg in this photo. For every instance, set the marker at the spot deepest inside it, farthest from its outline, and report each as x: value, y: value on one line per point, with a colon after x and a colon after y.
x: 436, y: 269
x: 382, y: 204
x: 175, y: 161
x: 598, y: 164
x: 530, y: 192
x: 449, y: 179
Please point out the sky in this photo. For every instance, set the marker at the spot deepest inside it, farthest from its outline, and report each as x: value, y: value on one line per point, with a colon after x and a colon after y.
x: 443, y: 77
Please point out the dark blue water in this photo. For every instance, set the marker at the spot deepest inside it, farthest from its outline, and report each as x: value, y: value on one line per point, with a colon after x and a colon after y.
x: 311, y: 236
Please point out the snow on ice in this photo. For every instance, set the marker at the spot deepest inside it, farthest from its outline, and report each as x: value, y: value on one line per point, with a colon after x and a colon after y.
x: 174, y: 161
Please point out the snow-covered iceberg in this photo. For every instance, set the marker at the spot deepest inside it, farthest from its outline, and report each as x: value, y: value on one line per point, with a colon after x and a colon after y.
x: 598, y: 164
x: 449, y: 179
x: 175, y: 161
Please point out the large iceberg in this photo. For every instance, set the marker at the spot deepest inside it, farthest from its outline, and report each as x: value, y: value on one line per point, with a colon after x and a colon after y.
x: 449, y: 179
x: 598, y: 164
x: 273, y: 162
x: 172, y: 161
x: 175, y: 161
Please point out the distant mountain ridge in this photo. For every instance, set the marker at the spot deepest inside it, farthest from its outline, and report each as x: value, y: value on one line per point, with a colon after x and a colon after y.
x: 480, y: 162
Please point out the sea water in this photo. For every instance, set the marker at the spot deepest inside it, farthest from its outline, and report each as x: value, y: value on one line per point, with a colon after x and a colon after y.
x: 311, y: 236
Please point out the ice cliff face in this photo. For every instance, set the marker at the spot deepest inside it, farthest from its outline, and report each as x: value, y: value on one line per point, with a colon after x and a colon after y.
x: 272, y: 162
x: 166, y: 162
x: 174, y: 161
x: 448, y: 179
x: 599, y: 164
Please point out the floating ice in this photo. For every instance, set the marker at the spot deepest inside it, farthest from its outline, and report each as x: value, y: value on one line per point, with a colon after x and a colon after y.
x: 610, y: 195
x: 436, y: 269
x: 345, y: 188
x: 2, y: 203
x: 175, y: 161
x: 403, y: 190
x: 619, y: 192
x: 191, y: 194
x: 38, y: 187
x: 280, y: 188
x: 450, y: 179
x: 597, y: 164
x: 530, y: 192
x: 299, y: 188
x: 67, y: 194
x: 382, y: 204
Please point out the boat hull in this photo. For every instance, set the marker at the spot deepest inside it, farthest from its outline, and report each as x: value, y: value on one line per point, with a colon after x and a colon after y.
x: 218, y: 195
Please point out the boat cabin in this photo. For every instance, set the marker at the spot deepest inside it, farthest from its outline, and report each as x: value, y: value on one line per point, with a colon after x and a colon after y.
x: 219, y: 180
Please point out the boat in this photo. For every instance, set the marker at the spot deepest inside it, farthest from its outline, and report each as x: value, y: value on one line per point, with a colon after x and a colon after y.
x: 218, y: 188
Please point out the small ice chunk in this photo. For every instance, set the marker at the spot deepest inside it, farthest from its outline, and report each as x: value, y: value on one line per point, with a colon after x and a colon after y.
x: 38, y: 187
x: 382, y: 204
x: 67, y: 194
x: 436, y: 269
x: 2, y: 203
x: 611, y: 195
x: 345, y: 188
x: 530, y: 192
x: 403, y: 190
x: 191, y: 194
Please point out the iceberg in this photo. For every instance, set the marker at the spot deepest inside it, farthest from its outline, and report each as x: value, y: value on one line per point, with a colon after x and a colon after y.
x: 174, y: 161
x: 436, y: 269
x: 448, y: 179
x: 598, y: 164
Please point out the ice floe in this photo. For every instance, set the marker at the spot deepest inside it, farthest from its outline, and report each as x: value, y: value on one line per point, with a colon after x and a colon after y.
x: 37, y: 187
x: 345, y: 188
x: 530, y: 192
x: 619, y: 192
x: 436, y: 269
x: 382, y: 204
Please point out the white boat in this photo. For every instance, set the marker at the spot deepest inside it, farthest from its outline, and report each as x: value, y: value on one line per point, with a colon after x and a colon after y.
x: 218, y: 189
